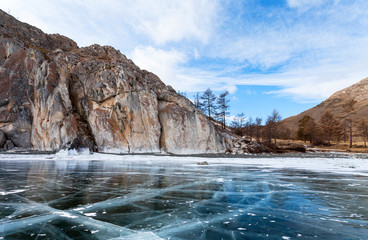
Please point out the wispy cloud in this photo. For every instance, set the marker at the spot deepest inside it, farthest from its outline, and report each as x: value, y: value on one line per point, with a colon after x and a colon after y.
x: 168, y: 21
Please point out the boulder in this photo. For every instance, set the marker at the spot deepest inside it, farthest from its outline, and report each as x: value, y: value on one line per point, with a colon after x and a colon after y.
x: 9, y: 145
x: 2, y: 139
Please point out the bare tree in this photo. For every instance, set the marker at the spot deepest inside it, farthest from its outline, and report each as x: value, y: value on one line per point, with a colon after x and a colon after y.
x: 184, y: 94
x: 302, y: 126
x: 307, y: 129
x: 258, y: 124
x: 344, y: 131
x: 272, y: 125
x: 238, y: 123
x: 197, y: 101
x: 329, y: 125
x: 363, y: 130
x: 223, y: 108
x: 250, y: 127
x: 209, y: 99
x: 349, y: 110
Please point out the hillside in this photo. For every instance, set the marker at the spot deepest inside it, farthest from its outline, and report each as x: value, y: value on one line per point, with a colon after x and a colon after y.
x: 356, y: 94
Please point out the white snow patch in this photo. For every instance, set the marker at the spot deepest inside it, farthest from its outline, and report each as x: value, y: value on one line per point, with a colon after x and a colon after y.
x: 78, y: 209
x: 337, y: 220
x: 141, y: 236
x: 65, y: 214
x: 73, y: 152
x: 12, y: 192
x: 220, y: 180
x: 91, y: 214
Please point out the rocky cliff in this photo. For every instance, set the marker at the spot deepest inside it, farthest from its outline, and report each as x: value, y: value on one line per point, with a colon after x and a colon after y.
x: 56, y: 95
x: 354, y: 97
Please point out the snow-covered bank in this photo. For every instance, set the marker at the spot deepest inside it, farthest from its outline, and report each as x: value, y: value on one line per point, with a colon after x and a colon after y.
x: 346, y: 164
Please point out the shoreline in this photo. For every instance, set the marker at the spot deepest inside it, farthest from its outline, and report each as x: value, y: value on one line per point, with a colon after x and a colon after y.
x: 331, y: 163
x: 316, y: 152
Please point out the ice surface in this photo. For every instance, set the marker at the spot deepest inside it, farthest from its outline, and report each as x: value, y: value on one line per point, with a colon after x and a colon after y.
x: 78, y: 195
x: 334, y: 162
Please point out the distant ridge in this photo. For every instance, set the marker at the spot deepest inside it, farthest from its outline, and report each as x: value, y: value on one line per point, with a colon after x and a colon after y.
x: 356, y: 94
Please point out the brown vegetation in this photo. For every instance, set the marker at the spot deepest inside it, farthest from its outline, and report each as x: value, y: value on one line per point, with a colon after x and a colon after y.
x: 349, y: 103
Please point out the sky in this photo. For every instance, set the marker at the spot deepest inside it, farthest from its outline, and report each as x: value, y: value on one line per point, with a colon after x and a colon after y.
x: 287, y: 55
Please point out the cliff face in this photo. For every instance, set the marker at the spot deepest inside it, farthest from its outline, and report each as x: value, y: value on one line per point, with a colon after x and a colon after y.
x: 56, y: 95
x: 355, y: 96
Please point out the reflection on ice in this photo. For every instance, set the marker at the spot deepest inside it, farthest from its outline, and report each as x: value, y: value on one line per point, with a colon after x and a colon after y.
x: 155, y: 198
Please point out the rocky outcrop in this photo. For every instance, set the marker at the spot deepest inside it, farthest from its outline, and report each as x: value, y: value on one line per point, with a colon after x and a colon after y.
x: 177, y: 116
x: 246, y: 146
x: 56, y: 95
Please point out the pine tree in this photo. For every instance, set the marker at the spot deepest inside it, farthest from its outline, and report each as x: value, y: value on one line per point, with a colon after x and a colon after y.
x: 223, y: 108
x: 208, y: 102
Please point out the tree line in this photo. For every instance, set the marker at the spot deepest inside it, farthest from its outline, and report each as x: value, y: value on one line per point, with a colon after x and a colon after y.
x: 330, y: 128
x: 322, y: 132
x: 254, y: 129
x: 215, y: 107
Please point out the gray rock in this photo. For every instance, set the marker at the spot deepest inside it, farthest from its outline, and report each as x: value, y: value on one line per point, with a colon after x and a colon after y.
x: 9, y: 145
x: 20, y: 139
x: 2, y: 139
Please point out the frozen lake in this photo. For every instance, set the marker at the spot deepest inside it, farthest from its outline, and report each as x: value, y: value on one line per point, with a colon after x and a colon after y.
x: 104, y: 196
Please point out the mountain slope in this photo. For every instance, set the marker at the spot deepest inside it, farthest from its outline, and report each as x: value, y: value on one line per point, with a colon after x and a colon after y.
x: 356, y: 94
x: 56, y: 95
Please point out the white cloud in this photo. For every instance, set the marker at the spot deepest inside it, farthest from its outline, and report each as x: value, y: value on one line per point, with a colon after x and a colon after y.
x: 103, y: 21
x: 231, y: 88
x: 163, y: 63
x: 166, y: 21
x: 196, y: 54
x: 317, y: 83
x: 167, y: 65
x: 314, y: 53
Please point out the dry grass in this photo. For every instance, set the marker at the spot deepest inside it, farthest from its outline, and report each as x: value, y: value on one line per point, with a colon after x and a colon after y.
x: 358, y: 146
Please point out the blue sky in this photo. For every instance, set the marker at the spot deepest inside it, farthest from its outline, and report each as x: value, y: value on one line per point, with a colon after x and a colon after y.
x: 283, y: 54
